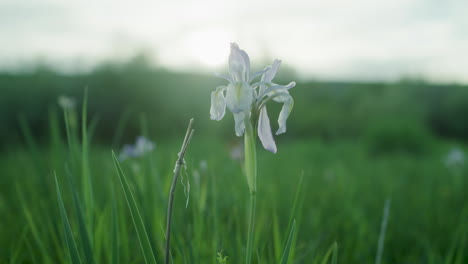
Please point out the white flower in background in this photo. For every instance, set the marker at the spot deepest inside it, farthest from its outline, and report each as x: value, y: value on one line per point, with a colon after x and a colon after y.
x: 196, y: 173
x: 455, y: 158
x: 203, y: 165
x: 236, y: 151
x: 66, y: 102
x: 247, y: 100
x: 140, y: 148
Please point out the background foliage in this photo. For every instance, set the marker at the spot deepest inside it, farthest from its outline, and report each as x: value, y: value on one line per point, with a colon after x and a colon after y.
x: 325, y: 110
x: 349, y: 147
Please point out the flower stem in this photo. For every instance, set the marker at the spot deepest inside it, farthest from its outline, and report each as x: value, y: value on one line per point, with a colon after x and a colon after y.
x: 251, y: 173
x: 248, y: 255
x: 179, y: 164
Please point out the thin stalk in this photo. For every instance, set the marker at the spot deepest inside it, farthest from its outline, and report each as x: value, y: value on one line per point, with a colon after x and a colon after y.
x: 85, y: 171
x: 248, y: 255
x: 179, y: 163
x: 383, y: 229
x: 251, y: 173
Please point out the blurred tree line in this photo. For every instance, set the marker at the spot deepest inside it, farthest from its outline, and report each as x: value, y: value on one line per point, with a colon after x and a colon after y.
x: 125, y: 95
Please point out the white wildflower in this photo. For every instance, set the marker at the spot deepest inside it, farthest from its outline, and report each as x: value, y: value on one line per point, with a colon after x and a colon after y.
x: 247, y: 100
x: 66, y: 102
x: 455, y: 158
x: 140, y: 148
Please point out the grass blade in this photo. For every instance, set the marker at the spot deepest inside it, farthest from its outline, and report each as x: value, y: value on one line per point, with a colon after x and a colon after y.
x: 85, y: 170
x: 16, y: 250
x: 34, y: 228
x: 84, y: 237
x: 136, y: 216
x: 115, y: 231
x: 333, y: 252
x: 297, y: 204
x: 74, y: 255
x: 287, y: 248
x: 383, y: 229
x: 277, y: 241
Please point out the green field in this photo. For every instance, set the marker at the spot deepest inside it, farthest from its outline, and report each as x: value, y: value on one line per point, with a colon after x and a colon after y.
x: 350, y: 149
x: 335, y: 192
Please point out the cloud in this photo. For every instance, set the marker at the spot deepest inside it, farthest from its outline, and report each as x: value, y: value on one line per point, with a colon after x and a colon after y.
x: 360, y: 39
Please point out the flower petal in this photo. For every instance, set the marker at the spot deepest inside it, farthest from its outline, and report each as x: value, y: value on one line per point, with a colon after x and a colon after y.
x: 261, y: 84
x: 255, y: 75
x: 239, y: 64
x: 277, y: 87
x: 263, y: 87
x: 270, y: 74
x: 218, y: 104
x: 239, y: 97
x: 280, y: 96
x: 264, y: 131
x: 223, y: 76
x: 240, y: 125
x: 284, y: 114
x: 246, y: 58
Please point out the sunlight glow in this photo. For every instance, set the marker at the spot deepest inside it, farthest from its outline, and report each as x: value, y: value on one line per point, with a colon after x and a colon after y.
x: 209, y: 47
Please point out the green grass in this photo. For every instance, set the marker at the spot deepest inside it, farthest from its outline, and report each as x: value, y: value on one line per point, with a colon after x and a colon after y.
x: 311, y: 194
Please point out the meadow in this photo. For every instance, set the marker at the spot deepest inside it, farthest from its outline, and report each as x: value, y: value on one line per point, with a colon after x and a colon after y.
x: 351, y: 149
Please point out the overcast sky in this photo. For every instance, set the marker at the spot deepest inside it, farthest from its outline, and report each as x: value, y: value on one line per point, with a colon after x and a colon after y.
x: 328, y: 39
